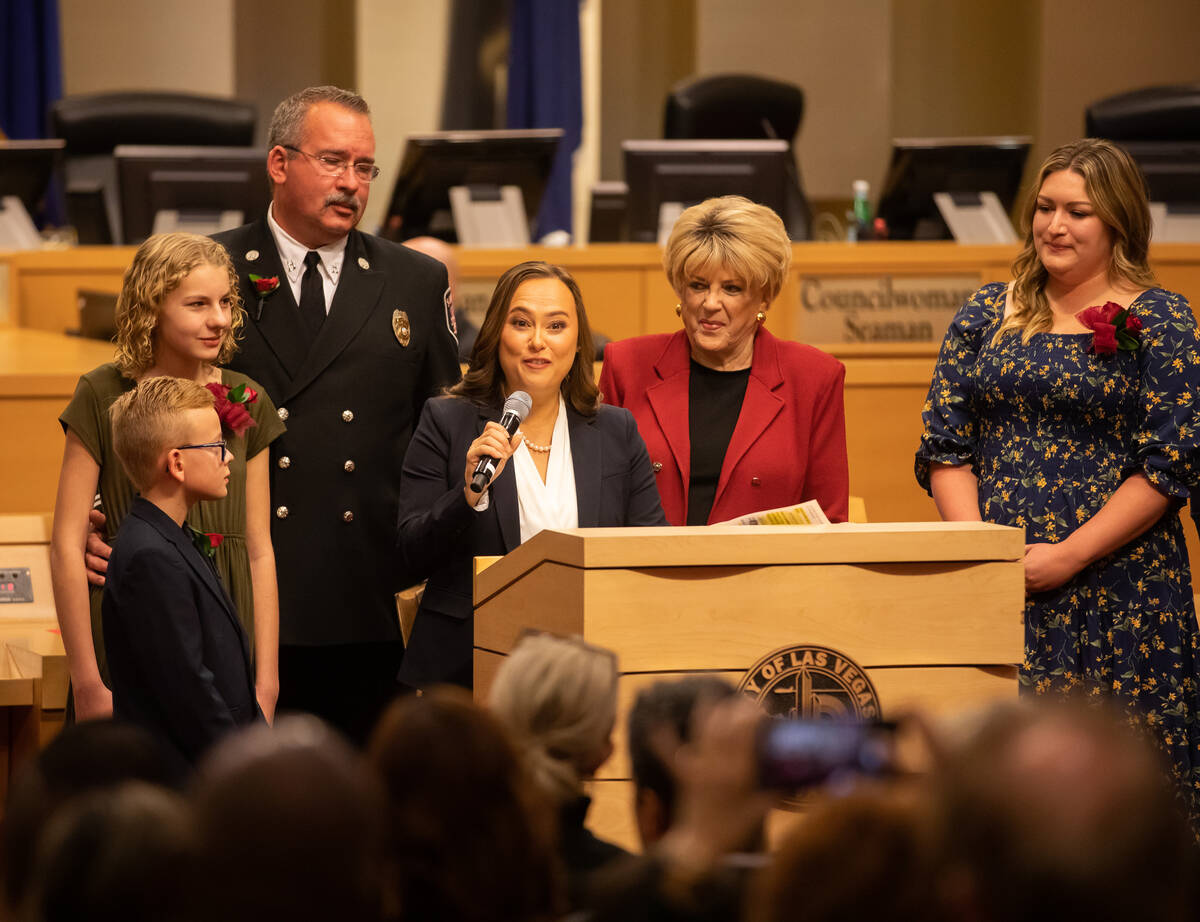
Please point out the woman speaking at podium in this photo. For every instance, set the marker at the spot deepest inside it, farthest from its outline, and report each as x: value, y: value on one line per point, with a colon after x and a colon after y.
x: 1064, y: 403
x: 572, y: 463
x: 736, y: 420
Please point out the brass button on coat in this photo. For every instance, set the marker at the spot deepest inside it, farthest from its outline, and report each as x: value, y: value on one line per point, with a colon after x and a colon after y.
x: 657, y: 465
x: 284, y: 462
x: 349, y: 467
x: 283, y: 413
x: 281, y: 512
x: 347, y: 416
x: 347, y: 516
x: 754, y: 482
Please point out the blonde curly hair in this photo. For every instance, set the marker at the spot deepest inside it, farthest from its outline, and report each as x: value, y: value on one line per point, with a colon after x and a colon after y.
x: 159, y: 267
x: 1117, y: 190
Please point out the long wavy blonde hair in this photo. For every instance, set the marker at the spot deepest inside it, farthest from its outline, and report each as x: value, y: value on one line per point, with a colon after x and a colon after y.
x: 159, y: 267
x: 1117, y: 191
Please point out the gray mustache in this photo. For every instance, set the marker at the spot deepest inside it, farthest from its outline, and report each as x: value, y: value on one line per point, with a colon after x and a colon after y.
x: 348, y: 201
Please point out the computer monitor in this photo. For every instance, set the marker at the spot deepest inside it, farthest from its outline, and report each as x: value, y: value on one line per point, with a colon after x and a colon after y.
x: 664, y: 177
x: 482, y: 161
x: 963, y: 167
x: 26, y: 168
x: 1172, y: 171
x: 1171, y: 168
x: 199, y: 189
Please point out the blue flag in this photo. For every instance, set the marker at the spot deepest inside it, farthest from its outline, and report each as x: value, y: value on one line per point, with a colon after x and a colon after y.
x: 30, y: 66
x: 545, y: 91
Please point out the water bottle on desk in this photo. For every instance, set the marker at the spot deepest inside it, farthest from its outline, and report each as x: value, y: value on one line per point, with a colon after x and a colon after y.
x: 860, y: 220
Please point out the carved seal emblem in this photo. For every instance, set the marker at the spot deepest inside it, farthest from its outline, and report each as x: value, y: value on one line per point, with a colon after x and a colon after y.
x: 401, y: 327
x: 813, y: 683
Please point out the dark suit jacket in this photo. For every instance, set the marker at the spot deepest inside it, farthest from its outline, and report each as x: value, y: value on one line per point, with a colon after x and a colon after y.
x: 350, y: 402
x: 789, y: 444
x: 178, y: 657
x: 440, y: 534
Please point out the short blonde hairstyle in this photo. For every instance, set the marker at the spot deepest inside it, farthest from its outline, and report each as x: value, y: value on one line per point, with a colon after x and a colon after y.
x: 159, y: 267
x: 148, y: 420
x: 1117, y: 191
x: 732, y: 233
x: 558, y: 697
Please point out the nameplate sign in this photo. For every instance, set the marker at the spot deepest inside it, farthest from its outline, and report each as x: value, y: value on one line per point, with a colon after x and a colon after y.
x: 880, y: 308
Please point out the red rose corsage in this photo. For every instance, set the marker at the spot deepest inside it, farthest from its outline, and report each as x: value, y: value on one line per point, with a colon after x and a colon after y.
x: 230, y: 404
x: 207, y: 544
x: 264, y: 286
x: 1113, y: 328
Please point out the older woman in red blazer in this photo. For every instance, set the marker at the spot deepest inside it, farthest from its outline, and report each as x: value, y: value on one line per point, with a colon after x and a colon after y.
x: 735, y: 420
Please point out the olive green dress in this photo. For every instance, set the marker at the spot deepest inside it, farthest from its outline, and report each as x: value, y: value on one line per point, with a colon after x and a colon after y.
x: 87, y: 416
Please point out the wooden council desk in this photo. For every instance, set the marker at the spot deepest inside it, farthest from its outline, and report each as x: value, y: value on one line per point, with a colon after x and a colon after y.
x: 626, y: 290
x: 913, y: 284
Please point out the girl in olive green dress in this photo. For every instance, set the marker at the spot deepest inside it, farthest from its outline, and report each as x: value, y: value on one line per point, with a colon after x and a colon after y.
x: 178, y: 314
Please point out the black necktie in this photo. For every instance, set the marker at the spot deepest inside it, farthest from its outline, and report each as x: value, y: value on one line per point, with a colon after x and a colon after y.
x: 312, y: 293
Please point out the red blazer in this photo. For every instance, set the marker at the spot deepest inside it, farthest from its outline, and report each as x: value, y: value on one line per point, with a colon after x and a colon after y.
x: 789, y: 444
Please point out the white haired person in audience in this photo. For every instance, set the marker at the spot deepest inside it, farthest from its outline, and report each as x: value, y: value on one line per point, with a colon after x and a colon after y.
x: 558, y: 697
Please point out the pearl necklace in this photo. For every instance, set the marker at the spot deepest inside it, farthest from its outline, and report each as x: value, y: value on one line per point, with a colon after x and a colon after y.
x: 544, y: 449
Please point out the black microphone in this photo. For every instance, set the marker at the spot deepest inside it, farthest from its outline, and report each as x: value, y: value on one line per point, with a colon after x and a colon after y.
x: 516, y: 408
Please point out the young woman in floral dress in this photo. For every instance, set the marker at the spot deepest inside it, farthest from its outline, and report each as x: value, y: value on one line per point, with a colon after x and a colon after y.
x: 1064, y: 403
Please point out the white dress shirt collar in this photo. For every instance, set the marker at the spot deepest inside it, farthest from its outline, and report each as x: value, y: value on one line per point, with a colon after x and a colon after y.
x: 292, y: 253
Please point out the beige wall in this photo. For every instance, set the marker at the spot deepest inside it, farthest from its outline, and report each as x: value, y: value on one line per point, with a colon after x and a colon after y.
x: 401, y: 46
x: 1095, y: 48
x: 313, y: 44
x: 647, y: 47
x: 147, y: 45
x: 964, y: 68
x: 838, y: 51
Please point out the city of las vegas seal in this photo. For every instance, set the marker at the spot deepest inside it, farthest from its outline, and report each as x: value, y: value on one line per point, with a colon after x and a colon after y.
x: 811, y: 682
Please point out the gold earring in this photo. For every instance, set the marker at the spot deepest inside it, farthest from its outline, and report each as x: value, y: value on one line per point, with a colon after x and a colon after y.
x: 760, y: 317
x: 678, y: 310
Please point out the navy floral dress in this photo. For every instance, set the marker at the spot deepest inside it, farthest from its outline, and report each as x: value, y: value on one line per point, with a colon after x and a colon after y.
x: 1051, y: 432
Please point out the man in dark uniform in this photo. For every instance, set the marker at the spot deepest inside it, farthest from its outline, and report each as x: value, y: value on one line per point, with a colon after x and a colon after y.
x: 349, y: 334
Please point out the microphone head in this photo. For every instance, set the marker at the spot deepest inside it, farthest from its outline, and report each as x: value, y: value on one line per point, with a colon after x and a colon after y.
x: 518, y: 404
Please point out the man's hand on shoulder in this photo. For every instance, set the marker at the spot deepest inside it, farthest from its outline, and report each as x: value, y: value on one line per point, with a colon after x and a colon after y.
x: 97, y: 553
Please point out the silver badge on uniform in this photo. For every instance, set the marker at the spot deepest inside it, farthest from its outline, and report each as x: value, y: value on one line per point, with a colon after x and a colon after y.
x: 252, y: 255
x: 363, y: 264
x: 401, y: 328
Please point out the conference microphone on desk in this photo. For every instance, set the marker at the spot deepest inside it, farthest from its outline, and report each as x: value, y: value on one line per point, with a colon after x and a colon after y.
x: 516, y: 408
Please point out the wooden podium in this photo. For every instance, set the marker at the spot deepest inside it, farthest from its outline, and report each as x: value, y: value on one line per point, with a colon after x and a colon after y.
x: 929, y: 613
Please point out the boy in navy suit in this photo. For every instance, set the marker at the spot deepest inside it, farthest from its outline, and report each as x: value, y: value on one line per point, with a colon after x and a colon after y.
x: 178, y: 657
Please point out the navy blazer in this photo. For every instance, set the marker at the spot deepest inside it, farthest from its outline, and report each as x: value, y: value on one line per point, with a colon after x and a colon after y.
x: 178, y: 657
x: 440, y: 534
x: 351, y: 400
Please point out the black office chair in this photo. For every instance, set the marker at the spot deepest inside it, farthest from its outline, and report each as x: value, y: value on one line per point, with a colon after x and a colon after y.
x: 1156, y: 113
x: 93, y: 124
x: 742, y: 106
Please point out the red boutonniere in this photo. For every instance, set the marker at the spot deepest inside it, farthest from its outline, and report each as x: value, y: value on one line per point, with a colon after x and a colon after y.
x: 207, y: 544
x: 230, y: 404
x: 1113, y: 328
x: 264, y: 286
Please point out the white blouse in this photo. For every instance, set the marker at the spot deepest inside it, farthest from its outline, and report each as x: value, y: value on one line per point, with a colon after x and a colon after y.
x: 552, y: 504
